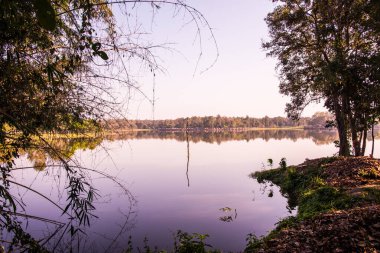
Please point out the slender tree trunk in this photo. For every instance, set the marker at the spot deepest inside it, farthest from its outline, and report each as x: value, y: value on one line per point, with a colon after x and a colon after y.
x: 356, y: 143
x: 364, y: 145
x: 344, y: 147
x: 361, y: 137
x: 373, y: 137
x: 365, y: 134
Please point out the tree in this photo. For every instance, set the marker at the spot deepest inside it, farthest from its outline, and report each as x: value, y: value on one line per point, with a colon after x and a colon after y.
x: 60, y: 60
x: 328, y: 50
x: 320, y: 119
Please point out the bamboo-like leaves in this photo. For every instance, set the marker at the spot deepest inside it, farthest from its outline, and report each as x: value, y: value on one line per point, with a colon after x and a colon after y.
x: 80, y: 198
x: 7, y: 196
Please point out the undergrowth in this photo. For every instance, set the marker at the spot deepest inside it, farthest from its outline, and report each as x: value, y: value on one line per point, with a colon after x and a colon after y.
x: 183, y: 243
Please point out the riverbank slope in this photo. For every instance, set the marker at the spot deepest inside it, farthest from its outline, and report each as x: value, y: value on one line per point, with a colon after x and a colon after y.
x: 338, y: 204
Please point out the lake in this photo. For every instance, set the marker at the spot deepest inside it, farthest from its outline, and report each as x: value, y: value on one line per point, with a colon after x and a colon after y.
x: 152, y: 184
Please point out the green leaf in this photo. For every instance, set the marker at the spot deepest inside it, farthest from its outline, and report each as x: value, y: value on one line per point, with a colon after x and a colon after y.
x: 45, y: 14
x: 96, y: 46
x: 103, y: 55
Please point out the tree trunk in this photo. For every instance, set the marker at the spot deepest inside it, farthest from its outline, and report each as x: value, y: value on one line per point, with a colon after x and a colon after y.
x: 344, y: 147
x: 355, y: 140
x: 364, y: 145
x: 356, y: 143
x: 373, y: 138
x: 365, y: 134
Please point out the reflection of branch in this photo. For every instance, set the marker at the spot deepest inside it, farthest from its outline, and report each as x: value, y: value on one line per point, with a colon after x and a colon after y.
x: 58, y: 223
x: 28, y: 216
x: 127, y: 193
x: 122, y: 229
x: 38, y: 193
x: 60, y: 238
x: 228, y: 218
x: 188, y: 156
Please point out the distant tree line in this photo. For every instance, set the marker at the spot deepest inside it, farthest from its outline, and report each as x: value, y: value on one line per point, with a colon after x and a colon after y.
x: 318, y: 120
x: 319, y: 137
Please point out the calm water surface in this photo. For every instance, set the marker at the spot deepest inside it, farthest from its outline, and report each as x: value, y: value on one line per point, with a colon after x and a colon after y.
x: 208, y: 192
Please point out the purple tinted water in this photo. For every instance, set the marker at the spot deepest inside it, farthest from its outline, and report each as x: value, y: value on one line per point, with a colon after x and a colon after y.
x: 166, y: 195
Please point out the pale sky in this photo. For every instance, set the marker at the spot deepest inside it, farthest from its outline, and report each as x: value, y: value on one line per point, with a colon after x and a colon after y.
x: 242, y: 82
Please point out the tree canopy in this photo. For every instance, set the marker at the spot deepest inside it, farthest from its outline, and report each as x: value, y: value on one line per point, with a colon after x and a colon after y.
x: 329, y: 50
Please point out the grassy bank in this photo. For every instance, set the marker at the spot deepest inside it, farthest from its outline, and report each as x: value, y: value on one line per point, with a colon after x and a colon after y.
x: 338, y: 201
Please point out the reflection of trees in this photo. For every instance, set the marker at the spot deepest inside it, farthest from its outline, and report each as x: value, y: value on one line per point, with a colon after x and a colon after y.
x: 58, y: 148
x: 39, y: 158
x: 48, y: 156
x: 319, y: 137
x: 67, y: 147
x: 229, y: 214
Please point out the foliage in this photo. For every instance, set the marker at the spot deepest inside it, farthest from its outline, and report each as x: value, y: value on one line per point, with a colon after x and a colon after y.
x: 311, y: 189
x: 42, y: 62
x: 306, y: 188
x: 282, y: 163
x: 253, y: 243
x: 370, y: 174
x: 323, y: 199
x: 270, y: 162
x: 60, y: 60
x: 329, y: 50
x: 372, y: 194
x: 185, y: 242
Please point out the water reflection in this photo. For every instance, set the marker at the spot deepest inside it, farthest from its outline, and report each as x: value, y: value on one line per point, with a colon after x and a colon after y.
x: 43, y: 198
x: 320, y: 137
x: 150, y: 167
x: 230, y: 214
x: 268, y: 189
x: 188, y: 158
x: 55, y: 149
x: 44, y: 202
x: 67, y: 147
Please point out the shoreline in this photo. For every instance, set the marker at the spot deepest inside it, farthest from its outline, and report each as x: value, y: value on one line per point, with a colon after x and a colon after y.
x: 167, y: 130
x: 338, y: 202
